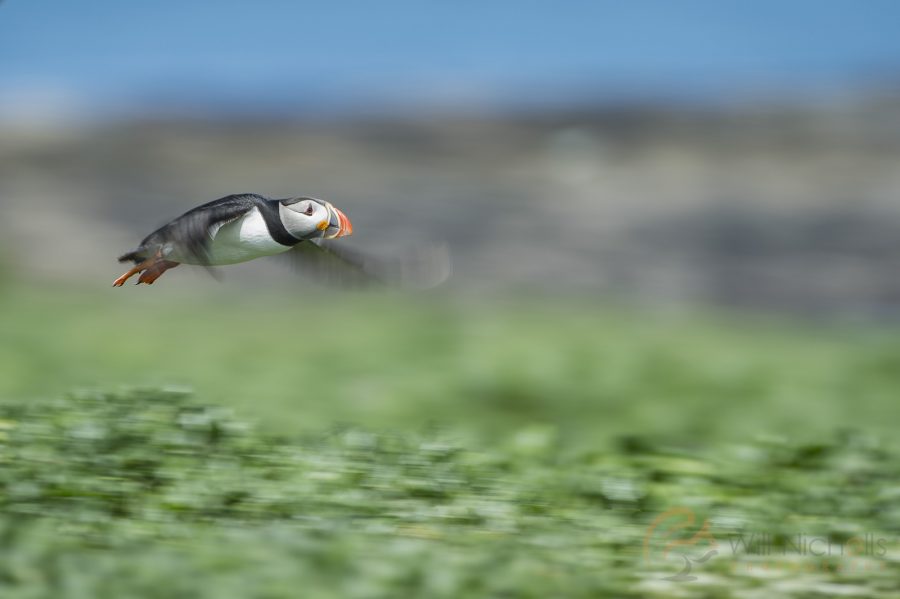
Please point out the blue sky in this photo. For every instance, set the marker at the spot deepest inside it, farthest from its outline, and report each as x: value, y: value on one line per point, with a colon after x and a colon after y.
x: 221, y: 52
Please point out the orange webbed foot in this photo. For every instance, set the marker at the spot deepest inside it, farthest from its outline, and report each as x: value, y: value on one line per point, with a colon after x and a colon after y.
x: 150, y: 269
x: 131, y: 272
x: 155, y: 271
x: 121, y: 280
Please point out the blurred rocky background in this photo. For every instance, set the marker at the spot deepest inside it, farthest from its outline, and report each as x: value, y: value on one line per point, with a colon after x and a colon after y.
x: 787, y: 207
x: 710, y: 156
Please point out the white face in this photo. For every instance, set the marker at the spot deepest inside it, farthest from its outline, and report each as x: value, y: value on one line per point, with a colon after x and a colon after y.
x: 305, y: 218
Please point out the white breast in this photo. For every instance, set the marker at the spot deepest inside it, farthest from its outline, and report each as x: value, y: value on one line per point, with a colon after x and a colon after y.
x: 240, y: 240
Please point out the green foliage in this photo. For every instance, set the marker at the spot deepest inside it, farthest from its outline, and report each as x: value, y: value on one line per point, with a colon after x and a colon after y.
x: 300, y: 362
x: 148, y: 493
x: 518, y: 450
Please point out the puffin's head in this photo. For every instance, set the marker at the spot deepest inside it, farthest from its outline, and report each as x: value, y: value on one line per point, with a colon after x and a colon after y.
x: 310, y: 218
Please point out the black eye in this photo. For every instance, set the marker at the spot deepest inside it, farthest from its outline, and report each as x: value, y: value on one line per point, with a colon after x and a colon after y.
x: 309, y: 209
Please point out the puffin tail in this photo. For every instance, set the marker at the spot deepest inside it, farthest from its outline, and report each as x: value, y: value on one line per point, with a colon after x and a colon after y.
x: 132, y: 256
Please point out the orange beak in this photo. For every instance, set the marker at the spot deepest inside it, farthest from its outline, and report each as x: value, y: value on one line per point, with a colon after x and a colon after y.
x: 346, y: 227
x: 338, y: 223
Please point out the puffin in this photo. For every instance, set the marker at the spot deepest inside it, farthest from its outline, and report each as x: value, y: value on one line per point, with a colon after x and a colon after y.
x: 242, y: 227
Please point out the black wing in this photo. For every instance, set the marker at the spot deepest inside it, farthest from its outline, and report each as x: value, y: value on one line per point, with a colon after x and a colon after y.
x: 190, y: 231
x: 333, y: 263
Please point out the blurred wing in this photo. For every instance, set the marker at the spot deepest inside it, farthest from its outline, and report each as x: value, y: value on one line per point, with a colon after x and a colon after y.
x: 191, y: 231
x: 333, y: 263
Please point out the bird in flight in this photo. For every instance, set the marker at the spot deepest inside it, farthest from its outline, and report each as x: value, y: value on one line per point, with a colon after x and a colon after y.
x: 243, y: 227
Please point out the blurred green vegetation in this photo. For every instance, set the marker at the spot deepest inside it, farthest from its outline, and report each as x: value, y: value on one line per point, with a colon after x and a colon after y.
x: 151, y: 494
x: 432, y: 447
x: 296, y: 361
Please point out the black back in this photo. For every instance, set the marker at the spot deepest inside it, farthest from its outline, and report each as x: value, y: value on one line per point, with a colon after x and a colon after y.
x: 191, y: 230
